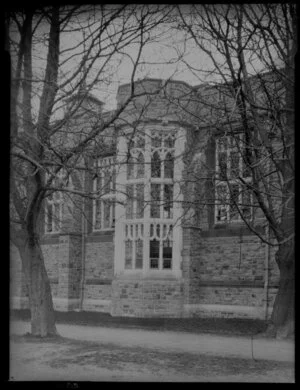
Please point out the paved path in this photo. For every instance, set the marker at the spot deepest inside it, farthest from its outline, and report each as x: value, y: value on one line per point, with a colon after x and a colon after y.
x: 243, y: 347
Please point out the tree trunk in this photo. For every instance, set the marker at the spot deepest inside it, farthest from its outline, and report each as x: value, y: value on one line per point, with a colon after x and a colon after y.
x: 39, y: 290
x: 283, y: 315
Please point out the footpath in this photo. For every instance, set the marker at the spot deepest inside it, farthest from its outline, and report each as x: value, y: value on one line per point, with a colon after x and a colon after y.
x: 247, y: 347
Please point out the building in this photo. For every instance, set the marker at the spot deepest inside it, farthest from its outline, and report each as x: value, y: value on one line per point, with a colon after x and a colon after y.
x: 156, y: 240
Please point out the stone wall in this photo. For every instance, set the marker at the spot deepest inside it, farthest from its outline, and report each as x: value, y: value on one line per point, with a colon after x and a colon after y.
x: 147, y: 298
x: 171, y: 101
x: 18, y: 290
x: 51, y: 254
x: 227, y: 268
x: 99, y: 260
x: 15, y: 272
x: 225, y: 271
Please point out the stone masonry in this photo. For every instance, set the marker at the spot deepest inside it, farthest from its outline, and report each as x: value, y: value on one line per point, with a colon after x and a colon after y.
x: 225, y: 271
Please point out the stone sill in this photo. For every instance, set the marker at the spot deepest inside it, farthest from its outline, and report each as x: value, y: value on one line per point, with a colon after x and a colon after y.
x: 234, y: 283
x: 101, y: 236
x: 159, y: 277
x: 98, y: 282
x: 53, y: 238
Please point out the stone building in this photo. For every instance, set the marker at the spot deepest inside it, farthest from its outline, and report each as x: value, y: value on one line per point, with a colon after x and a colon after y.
x: 155, y: 242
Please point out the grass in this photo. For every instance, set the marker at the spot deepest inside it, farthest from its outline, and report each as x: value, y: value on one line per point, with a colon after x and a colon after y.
x: 63, y: 354
x: 225, y: 326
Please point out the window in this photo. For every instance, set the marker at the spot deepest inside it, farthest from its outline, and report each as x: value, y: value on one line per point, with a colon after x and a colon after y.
x: 149, y: 216
x: 104, y: 186
x: 54, y: 203
x: 53, y: 215
x: 232, y: 179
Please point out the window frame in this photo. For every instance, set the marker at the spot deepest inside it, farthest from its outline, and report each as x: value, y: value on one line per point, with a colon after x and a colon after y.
x: 230, y: 181
x: 52, y: 202
x: 179, y: 139
x: 106, y: 162
x: 148, y: 150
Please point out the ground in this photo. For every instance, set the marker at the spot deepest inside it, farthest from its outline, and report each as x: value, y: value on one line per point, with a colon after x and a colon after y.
x: 74, y: 360
x: 98, y: 347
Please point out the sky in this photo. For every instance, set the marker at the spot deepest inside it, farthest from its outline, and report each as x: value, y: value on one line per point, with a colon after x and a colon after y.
x: 159, y: 58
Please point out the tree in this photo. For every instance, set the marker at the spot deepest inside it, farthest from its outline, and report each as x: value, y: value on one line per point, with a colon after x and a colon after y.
x: 251, y: 54
x: 57, y: 52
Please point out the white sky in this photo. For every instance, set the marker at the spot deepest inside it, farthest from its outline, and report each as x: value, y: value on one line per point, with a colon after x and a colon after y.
x: 160, y: 61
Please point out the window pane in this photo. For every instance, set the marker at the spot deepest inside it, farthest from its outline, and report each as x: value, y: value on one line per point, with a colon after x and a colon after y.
x: 222, y: 158
x: 107, y: 182
x: 155, y: 201
x: 169, y: 141
x: 97, y: 214
x: 56, y: 216
x: 234, y: 164
x: 156, y: 140
x: 140, y: 201
x: 140, y: 166
x: 98, y: 184
x: 234, y: 198
x: 130, y: 168
x: 154, y: 254
x: 222, y: 201
x: 155, y: 165
x: 169, y: 166
x: 113, y: 214
x: 168, y: 201
x: 222, y: 143
x: 56, y: 195
x: 129, y: 203
x: 106, y: 214
x: 49, y: 218
x: 246, y: 167
x: 167, y: 254
x: 113, y: 178
x: 139, y: 142
x: 139, y: 254
x: 128, y: 254
x: 246, y: 203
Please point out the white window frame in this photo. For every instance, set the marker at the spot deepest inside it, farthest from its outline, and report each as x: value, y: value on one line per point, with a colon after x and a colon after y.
x: 146, y: 221
x: 230, y: 181
x: 108, y: 163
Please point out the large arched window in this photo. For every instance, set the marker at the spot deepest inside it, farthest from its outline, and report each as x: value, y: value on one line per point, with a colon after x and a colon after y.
x: 145, y: 225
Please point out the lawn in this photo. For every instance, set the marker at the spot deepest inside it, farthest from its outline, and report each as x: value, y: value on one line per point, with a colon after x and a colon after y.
x: 63, y: 359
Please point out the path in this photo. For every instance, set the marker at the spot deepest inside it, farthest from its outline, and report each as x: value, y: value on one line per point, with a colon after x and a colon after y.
x: 243, y: 347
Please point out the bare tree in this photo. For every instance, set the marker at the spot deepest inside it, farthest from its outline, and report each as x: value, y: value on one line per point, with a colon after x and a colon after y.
x: 249, y: 101
x: 57, y: 52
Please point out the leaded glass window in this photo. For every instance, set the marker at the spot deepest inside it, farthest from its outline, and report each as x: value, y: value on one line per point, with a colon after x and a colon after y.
x: 232, y: 180
x: 149, y: 201
x: 104, y: 188
x: 54, y: 203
